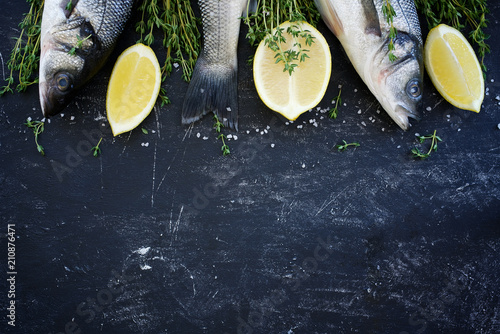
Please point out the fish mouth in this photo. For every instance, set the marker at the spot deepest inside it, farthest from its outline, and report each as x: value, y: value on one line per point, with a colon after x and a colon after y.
x: 402, y: 116
x: 51, y: 105
x: 44, y: 100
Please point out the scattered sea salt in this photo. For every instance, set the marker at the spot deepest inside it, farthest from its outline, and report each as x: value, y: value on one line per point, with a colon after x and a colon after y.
x: 272, y: 145
x: 300, y: 126
x: 29, y: 119
x: 205, y: 137
x: 235, y: 137
x: 363, y: 123
x: 176, y: 65
x: 62, y: 115
x: 303, y: 165
x: 355, y: 90
x: 72, y: 118
x: 359, y: 112
x: 428, y: 108
x: 229, y: 136
x: 198, y: 135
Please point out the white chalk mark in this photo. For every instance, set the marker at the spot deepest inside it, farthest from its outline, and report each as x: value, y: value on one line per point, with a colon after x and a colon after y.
x: 102, y: 179
x: 438, y: 103
x: 174, y: 228
x: 157, y: 121
x: 327, y: 204
x: 188, y: 131
x: 125, y: 146
x: 220, y: 240
x: 3, y: 69
x: 142, y: 251
x: 191, y: 277
x: 154, y: 175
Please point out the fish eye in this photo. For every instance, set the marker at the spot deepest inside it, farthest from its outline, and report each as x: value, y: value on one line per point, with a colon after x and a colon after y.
x: 413, y: 88
x: 63, y: 82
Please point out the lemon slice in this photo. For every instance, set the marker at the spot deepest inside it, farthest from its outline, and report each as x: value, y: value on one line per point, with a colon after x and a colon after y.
x: 133, y: 88
x: 292, y: 95
x: 453, y: 68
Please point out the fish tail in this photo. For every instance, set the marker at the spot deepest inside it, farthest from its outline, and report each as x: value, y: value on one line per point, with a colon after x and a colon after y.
x: 213, y: 88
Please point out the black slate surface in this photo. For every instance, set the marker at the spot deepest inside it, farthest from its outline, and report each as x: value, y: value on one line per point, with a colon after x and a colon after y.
x: 162, y: 234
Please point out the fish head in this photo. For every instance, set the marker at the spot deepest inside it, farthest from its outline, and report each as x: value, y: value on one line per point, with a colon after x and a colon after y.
x: 398, y: 83
x: 63, y: 64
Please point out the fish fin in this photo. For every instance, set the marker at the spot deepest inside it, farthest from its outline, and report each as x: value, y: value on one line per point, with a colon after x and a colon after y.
x: 372, y: 19
x: 68, y: 6
x: 212, y: 88
x: 330, y: 17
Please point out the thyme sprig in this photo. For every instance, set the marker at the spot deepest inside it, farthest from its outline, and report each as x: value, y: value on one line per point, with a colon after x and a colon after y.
x: 218, y: 126
x: 264, y: 23
x: 96, y: 150
x: 179, y: 26
x: 343, y: 147
x: 462, y: 15
x: 333, y: 112
x: 389, y: 14
x: 78, y: 45
x: 25, y: 54
x: 38, y: 127
x: 434, y: 142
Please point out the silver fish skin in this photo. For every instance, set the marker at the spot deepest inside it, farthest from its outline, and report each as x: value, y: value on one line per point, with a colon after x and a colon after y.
x: 214, y: 84
x: 362, y: 29
x: 98, y: 23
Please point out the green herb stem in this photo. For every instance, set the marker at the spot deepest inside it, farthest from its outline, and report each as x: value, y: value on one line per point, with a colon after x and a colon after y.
x: 434, y: 141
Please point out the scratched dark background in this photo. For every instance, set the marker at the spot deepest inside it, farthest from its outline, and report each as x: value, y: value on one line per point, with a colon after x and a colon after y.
x: 162, y: 234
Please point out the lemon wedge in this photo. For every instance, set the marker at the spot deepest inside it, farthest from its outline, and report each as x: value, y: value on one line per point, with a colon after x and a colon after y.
x: 133, y: 88
x: 453, y: 68
x: 292, y: 95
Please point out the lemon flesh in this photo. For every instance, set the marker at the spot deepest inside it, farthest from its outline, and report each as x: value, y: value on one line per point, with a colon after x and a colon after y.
x: 454, y: 68
x: 292, y: 95
x: 133, y: 88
